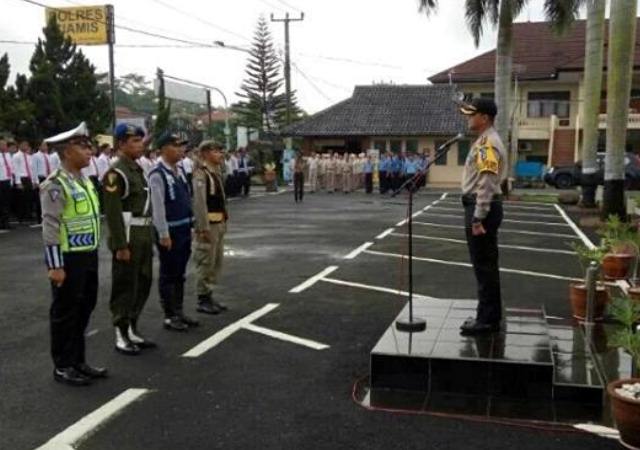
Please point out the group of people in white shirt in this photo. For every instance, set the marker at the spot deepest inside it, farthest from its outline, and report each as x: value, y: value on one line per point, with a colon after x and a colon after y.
x: 238, y: 169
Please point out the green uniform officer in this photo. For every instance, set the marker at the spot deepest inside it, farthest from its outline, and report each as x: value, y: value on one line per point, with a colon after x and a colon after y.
x: 210, y: 211
x: 127, y: 208
x: 71, y: 234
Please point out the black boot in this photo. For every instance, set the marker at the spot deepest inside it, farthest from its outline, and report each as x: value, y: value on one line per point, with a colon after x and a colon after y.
x: 206, y: 306
x: 137, y: 338
x: 123, y: 342
x: 175, y: 323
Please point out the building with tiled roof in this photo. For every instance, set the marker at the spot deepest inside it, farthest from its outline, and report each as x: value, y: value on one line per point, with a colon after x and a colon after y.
x: 547, y: 91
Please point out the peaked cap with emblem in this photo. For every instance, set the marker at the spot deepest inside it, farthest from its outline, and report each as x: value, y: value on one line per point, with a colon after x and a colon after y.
x: 81, y: 131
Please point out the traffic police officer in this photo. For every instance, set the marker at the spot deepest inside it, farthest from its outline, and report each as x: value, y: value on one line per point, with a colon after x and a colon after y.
x: 128, y: 215
x: 71, y: 234
x: 172, y: 219
x: 485, y: 168
x: 210, y: 211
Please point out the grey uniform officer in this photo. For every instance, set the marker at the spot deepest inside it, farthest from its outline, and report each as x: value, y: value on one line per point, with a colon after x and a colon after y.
x: 71, y: 234
x: 210, y: 214
x: 484, y: 170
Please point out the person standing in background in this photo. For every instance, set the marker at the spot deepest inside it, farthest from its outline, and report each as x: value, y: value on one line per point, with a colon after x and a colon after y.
x: 244, y: 172
x: 314, y: 163
x: 368, y: 175
x: 6, y: 183
x: 42, y: 166
x: 298, y: 176
x: 104, y: 160
x: 25, y: 182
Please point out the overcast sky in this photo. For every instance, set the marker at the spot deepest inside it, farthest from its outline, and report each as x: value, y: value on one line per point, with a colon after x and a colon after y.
x: 340, y: 43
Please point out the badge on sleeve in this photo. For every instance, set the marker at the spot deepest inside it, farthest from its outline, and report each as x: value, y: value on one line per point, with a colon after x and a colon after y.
x: 487, y: 159
x: 54, y: 194
x: 112, y: 182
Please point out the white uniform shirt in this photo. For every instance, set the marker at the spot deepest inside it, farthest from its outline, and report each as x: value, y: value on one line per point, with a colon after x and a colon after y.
x: 232, y: 164
x: 42, y: 164
x: 103, y: 163
x: 313, y: 164
x: 187, y: 165
x: 23, y: 168
x: 146, y: 164
x: 92, y: 169
x: 6, y: 167
x: 54, y: 160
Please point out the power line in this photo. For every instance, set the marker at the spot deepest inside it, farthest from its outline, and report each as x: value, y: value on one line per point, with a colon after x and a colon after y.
x: 289, y: 5
x: 313, y: 85
x: 271, y: 5
x: 201, y: 20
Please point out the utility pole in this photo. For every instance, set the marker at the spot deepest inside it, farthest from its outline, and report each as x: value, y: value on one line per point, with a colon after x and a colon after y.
x: 287, y: 60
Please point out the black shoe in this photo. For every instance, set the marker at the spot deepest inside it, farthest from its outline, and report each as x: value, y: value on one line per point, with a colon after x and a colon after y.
x: 123, y: 342
x: 220, y: 306
x: 188, y: 321
x: 175, y: 324
x: 71, y: 376
x: 470, y: 328
x: 207, y: 307
x: 138, y: 339
x: 92, y: 372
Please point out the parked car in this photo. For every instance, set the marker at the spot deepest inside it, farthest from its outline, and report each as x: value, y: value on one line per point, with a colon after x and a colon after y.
x: 566, y: 177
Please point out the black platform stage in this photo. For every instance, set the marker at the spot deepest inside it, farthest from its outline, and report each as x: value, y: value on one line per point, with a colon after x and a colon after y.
x: 550, y: 366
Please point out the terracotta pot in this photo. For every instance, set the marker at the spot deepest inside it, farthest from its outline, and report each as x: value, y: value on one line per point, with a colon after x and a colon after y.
x: 578, y: 298
x: 615, y: 266
x: 626, y: 413
x: 269, y: 175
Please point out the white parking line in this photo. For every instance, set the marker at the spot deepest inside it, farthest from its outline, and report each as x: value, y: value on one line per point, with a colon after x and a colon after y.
x: 575, y: 228
x: 507, y: 213
x: 313, y: 280
x: 227, y: 331
x: 285, y: 337
x: 89, y: 424
x: 426, y: 208
x: 463, y: 264
x: 358, y: 250
x: 385, y: 233
x: 531, y: 222
x: 502, y: 230
x: 510, y: 206
x: 513, y: 247
x: 386, y: 290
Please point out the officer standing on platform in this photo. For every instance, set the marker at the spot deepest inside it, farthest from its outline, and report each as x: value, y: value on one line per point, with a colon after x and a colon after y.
x: 127, y: 207
x: 172, y: 219
x: 71, y: 234
x: 485, y: 168
x: 210, y: 211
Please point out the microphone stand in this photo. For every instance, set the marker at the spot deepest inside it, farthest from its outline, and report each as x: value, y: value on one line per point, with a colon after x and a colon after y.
x: 413, y: 324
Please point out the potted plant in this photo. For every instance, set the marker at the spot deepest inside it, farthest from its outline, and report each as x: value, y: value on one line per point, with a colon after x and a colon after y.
x: 619, y: 239
x: 578, y: 291
x: 269, y: 177
x: 625, y: 393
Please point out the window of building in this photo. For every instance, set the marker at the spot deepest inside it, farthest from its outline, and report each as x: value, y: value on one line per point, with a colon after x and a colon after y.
x: 380, y: 145
x: 396, y: 145
x: 546, y: 104
x: 463, y: 150
x: 442, y: 161
x: 411, y: 145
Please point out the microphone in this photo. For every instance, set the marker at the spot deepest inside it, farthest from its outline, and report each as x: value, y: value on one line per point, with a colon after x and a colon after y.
x: 450, y: 142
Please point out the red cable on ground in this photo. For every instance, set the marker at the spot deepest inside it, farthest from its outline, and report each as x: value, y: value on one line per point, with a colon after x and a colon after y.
x: 536, y: 425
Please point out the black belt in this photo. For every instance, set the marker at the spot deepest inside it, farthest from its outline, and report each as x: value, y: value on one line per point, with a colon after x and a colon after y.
x: 470, y: 199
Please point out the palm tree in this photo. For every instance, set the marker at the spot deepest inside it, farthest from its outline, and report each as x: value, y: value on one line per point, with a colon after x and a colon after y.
x: 622, y: 37
x: 594, y: 49
x: 501, y: 13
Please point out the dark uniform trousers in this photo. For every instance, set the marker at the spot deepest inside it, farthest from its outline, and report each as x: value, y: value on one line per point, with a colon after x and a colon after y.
x: 382, y: 179
x: 5, y: 203
x: 173, y: 266
x: 25, y: 200
x: 131, y: 280
x: 298, y: 185
x: 72, y: 306
x: 368, y: 182
x: 483, y: 251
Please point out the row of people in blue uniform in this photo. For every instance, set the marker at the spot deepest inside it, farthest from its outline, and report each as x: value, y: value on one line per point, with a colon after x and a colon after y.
x: 394, y: 170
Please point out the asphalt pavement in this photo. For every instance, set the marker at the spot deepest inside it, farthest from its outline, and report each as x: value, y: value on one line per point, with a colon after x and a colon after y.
x: 277, y: 370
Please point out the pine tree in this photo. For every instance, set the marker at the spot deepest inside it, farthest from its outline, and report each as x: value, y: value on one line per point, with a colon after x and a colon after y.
x: 263, y: 105
x: 16, y: 113
x: 63, y: 87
